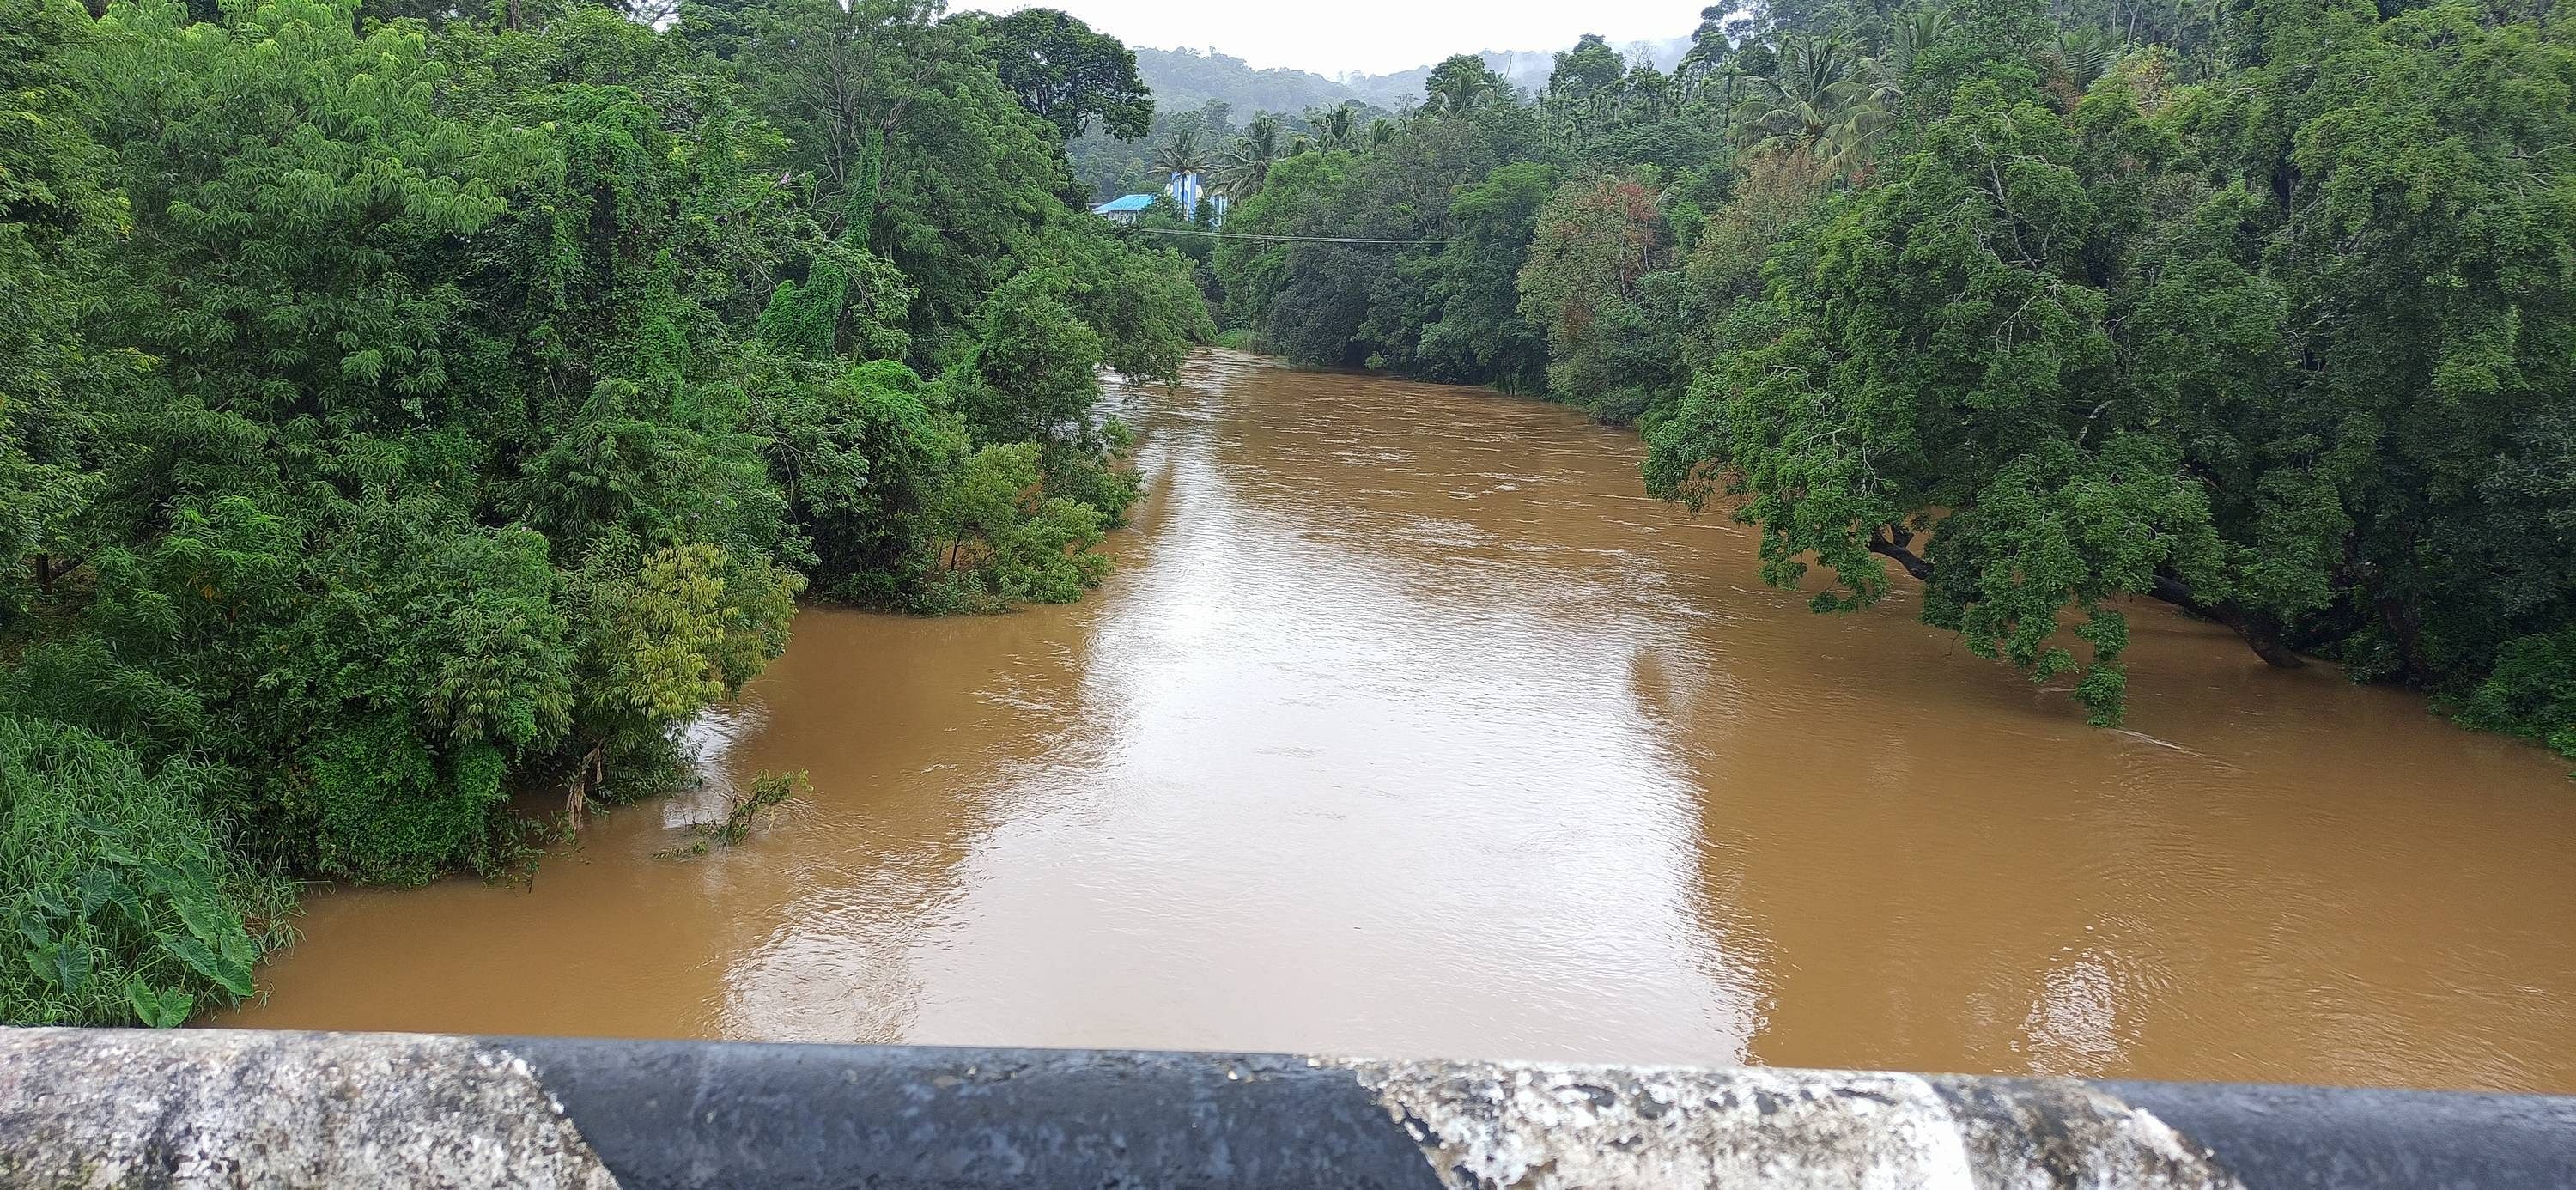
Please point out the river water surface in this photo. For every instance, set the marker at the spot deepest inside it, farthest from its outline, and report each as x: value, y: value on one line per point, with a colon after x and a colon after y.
x: 1410, y: 726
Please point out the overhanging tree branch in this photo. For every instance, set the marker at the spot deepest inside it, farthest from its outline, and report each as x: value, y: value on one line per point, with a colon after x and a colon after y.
x: 2260, y: 631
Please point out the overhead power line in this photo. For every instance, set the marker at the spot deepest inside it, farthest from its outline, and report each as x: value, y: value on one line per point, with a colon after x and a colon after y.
x: 1232, y: 235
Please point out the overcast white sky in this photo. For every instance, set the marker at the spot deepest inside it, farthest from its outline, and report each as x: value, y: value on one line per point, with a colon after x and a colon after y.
x: 1334, y: 37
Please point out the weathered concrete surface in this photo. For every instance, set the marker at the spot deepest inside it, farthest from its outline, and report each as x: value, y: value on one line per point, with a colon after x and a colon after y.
x: 205, y: 1109
x: 96, y: 1108
x: 1516, y: 1126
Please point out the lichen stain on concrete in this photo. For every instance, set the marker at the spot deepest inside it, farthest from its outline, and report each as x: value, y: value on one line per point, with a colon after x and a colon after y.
x: 1516, y: 1126
x: 205, y: 1109
x: 2042, y: 1134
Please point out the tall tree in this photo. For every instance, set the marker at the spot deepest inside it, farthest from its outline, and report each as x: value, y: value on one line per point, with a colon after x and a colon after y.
x: 1590, y: 68
x: 1460, y: 85
x: 1598, y: 279
x: 58, y: 221
x: 1826, y: 99
x: 1937, y: 382
x: 1181, y: 154
x: 1066, y: 74
x: 2399, y: 187
x: 1245, y: 164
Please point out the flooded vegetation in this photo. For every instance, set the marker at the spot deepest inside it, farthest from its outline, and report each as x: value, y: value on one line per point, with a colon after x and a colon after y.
x: 1409, y: 725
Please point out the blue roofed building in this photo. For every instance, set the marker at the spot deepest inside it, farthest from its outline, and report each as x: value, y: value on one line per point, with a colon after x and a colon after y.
x: 1124, y: 210
x: 1186, y: 192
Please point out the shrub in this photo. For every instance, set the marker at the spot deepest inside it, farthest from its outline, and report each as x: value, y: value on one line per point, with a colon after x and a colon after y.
x: 2531, y: 693
x: 121, y: 903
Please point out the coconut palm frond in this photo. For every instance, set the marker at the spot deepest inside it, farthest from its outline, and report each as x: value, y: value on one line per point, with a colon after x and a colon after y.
x: 1182, y: 154
x: 2079, y: 57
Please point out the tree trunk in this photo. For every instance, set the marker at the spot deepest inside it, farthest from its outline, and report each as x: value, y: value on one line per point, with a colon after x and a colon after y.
x: 577, y: 797
x: 2261, y: 631
x: 49, y: 571
x: 2408, y: 630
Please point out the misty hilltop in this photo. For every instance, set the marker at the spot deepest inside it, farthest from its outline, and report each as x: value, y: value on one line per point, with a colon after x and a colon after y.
x: 1186, y: 79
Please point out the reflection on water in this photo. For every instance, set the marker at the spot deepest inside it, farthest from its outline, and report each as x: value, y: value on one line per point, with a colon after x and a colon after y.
x: 1409, y: 726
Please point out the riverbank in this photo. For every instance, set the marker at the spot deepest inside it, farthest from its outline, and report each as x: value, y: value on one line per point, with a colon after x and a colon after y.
x: 1409, y: 726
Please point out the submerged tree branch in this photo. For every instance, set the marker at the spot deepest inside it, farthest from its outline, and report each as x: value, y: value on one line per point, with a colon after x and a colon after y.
x: 2260, y: 631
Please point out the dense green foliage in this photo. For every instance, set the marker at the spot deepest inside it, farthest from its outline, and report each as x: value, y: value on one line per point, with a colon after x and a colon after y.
x: 2267, y: 311
x: 1063, y: 71
x: 123, y: 902
x: 407, y: 409
x: 404, y: 415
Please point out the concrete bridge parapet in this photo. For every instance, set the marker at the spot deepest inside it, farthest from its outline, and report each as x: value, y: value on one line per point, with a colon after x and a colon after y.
x: 211, y: 1108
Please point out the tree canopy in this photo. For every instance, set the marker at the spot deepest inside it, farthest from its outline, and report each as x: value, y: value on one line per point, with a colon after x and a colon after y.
x: 1068, y: 75
x: 413, y: 412
x: 2261, y: 312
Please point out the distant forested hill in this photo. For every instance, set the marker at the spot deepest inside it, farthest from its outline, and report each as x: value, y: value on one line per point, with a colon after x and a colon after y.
x: 1186, y: 79
x: 1524, y: 69
x: 1211, y: 95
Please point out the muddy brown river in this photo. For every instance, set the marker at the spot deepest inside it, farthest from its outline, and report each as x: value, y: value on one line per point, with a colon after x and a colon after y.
x: 1409, y: 726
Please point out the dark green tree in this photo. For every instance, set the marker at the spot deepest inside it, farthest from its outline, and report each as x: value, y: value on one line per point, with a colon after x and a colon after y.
x: 1066, y: 74
x: 1590, y: 68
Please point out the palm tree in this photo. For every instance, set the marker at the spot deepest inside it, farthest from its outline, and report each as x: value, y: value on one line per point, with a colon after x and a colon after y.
x: 1182, y: 154
x: 2078, y: 57
x: 1246, y: 165
x: 1338, y: 129
x: 1459, y: 93
x: 1914, y: 34
x: 1827, y: 99
x: 1729, y: 77
x: 1381, y: 130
